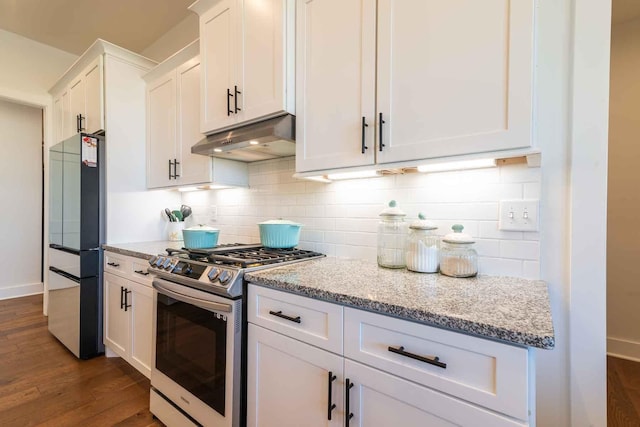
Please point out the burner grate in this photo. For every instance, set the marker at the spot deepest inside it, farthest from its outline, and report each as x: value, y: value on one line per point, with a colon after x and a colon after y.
x: 243, y: 256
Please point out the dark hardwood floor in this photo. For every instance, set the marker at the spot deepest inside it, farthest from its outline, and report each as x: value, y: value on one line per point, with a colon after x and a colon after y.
x: 623, y: 393
x: 43, y: 384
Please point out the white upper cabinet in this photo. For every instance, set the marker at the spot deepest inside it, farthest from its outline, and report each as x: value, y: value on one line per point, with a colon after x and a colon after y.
x: 454, y: 77
x: 79, y: 106
x: 450, y: 78
x: 173, y: 127
x: 335, y: 84
x: 161, y: 131
x: 247, y: 51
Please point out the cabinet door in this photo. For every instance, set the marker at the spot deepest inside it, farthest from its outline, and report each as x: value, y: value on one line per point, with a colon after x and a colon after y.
x: 378, y: 399
x: 335, y: 83
x: 77, y: 104
x: 58, y: 114
x: 454, y: 77
x: 161, y: 131
x: 92, y: 75
x: 193, y: 168
x: 219, y: 46
x: 288, y: 382
x: 263, y: 64
x: 141, y: 312
x: 116, y: 320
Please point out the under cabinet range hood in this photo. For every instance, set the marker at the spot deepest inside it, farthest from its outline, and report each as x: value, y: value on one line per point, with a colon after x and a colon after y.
x: 268, y: 139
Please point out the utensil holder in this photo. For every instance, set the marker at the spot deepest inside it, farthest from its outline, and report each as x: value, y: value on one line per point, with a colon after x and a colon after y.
x: 174, y: 231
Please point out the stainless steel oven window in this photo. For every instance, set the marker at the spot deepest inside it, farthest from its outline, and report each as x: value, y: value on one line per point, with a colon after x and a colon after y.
x: 191, y: 349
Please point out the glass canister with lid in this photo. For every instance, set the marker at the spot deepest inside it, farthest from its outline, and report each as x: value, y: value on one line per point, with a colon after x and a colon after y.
x: 392, y: 236
x: 458, y: 258
x: 423, y: 246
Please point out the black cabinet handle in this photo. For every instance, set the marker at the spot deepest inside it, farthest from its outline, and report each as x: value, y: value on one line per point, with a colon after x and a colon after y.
x: 380, y: 123
x: 113, y: 264
x: 175, y: 169
x: 347, y: 412
x: 236, y: 93
x: 121, y: 297
x: 170, y: 164
x: 330, y: 405
x: 126, y: 299
x: 79, y: 120
x: 431, y: 360
x: 364, y: 125
x: 284, y: 316
x: 144, y: 273
x: 229, y: 95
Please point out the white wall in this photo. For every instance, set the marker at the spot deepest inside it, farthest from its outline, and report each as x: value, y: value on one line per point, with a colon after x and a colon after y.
x: 21, y: 192
x: 340, y: 218
x: 175, y: 39
x: 29, y: 68
x: 623, y: 252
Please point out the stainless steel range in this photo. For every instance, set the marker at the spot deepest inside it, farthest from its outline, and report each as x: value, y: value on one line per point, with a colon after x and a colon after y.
x: 196, y: 374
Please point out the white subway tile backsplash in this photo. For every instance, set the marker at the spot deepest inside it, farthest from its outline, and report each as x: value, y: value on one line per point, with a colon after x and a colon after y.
x: 341, y: 218
x: 520, y: 249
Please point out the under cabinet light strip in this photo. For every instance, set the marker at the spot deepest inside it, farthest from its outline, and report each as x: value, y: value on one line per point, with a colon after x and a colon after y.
x: 452, y: 166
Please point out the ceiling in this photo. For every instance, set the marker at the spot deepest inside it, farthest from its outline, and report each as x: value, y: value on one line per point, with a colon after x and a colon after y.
x: 625, y: 10
x: 73, y: 25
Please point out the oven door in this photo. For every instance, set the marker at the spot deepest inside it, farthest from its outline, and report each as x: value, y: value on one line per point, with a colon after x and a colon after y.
x: 196, y: 352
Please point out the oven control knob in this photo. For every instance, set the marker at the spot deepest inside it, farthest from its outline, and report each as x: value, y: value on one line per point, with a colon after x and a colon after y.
x: 187, y: 269
x: 152, y: 260
x: 225, y: 276
x: 213, y: 274
x: 160, y: 261
x: 167, y: 263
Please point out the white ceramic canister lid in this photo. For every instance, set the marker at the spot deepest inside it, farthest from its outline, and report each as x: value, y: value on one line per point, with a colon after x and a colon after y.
x: 458, y: 236
x: 201, y: 227
x: 392, y: 210
x: 422, y: 223
x: 279, y: 222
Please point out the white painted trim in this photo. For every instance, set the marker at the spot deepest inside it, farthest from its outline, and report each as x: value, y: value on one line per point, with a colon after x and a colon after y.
x: 174, y: 61
x: 624, y: 349
x: 21, y: 290
x: 589, y: 111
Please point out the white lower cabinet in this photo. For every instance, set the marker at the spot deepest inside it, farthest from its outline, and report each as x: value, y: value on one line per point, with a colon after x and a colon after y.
x: 290, y: 382
x: 385, y: 375
x: 378, y: 399
x: 128, y: 317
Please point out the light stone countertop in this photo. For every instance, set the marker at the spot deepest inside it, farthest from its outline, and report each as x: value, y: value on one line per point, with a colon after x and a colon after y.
x: 508, y: 309
x: 143, y: 250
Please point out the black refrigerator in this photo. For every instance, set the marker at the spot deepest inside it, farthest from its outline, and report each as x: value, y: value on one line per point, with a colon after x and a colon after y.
x: 76, y: 235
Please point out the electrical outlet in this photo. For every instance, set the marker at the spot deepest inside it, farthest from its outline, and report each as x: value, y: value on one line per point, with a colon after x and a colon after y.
x: 518, y: 215
x: 213, y: 214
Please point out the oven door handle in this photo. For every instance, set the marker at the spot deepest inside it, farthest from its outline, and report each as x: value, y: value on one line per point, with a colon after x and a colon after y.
x: 163, y: 287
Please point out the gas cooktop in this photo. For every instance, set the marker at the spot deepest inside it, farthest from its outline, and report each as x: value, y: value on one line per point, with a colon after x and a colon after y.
x: 220, y: 270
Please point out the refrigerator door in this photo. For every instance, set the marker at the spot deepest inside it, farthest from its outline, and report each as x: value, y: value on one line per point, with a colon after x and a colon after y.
x: 64, y: 309
x: 76, y: 193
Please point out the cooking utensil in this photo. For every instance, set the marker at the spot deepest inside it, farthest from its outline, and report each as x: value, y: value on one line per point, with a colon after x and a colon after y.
x: 178, y: 215
x: 279, y: 234
x: 170, y: 215
x: 200, y: 236
x: 186, y: 211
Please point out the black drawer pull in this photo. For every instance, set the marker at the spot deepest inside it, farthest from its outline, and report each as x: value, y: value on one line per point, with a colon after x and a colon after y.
x: 431, y: 360
x: 113, y: 264
x: 126, y: 299
x: 284, y: 316
x: 144, y: 273
x: 364, y: 125
x: 229, y: 95
x: 330, y: 405
x: 380, y: 123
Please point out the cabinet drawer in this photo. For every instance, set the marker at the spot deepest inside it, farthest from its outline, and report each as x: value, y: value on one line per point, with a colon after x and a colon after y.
x: 139, y: 271
x: 117, y: 264
x: 315, y: 322
x: 477, y: 370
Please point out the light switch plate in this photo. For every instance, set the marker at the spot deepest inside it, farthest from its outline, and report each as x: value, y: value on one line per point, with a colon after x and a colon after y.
x: 518, y: 215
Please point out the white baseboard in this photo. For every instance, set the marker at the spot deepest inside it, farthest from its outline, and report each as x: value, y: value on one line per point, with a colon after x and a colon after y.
x: 623, y: 349
x: 21, y: 290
